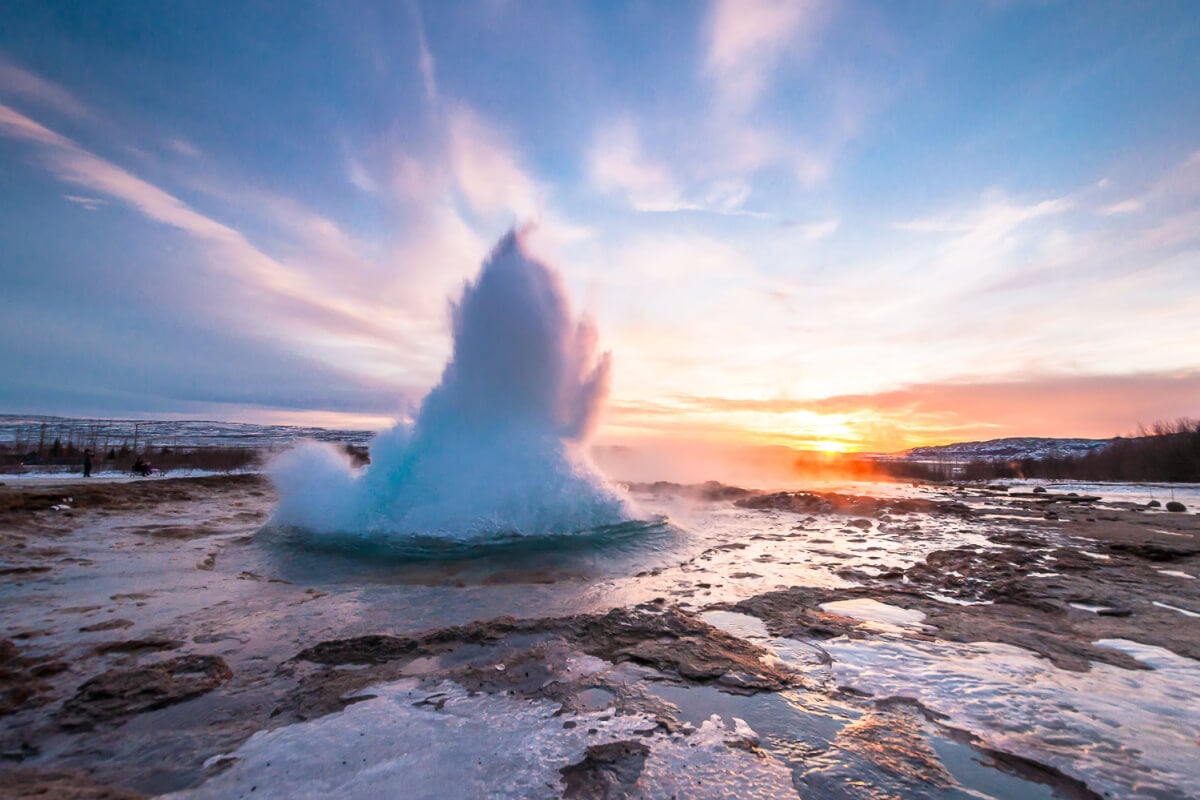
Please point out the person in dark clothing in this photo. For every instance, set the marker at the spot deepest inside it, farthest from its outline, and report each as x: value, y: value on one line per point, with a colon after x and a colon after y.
x: 87, y: 463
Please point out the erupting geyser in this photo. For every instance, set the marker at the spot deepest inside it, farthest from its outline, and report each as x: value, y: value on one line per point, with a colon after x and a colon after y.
x: 497, y: 446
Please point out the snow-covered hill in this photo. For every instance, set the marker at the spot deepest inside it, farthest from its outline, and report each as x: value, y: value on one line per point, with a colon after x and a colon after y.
x: 28, y: 431
x: 1011, y: 448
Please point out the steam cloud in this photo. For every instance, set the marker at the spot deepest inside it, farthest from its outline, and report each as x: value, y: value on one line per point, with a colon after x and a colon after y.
x: 497, y: 446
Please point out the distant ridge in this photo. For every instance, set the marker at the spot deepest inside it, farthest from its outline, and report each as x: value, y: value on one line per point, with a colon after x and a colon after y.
x: 1017, y: 447
x: 28, y: 429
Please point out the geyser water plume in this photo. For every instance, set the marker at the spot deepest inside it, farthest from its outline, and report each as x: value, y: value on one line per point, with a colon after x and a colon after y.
x: 497, y: 446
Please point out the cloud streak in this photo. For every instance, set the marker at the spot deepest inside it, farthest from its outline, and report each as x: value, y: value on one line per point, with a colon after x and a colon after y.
x: 425, y: 62
x: 72, y: 164
x: 19, y: 82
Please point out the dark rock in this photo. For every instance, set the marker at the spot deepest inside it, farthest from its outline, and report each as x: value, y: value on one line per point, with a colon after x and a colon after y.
x: 1154, y: 504
x: 48, y: 669
x: 1039, y: 490
x: 375, y: 649
x: 710, y: 490
x: 675, y: 642
x: 1152, y: 551
x: 1069, y: 560
x: 1175, y: 505
x: 22, y: 569
x: 138, y: 646
x: 59, y: 784
x: 107, y: 625
x: 793, y: 613
x: 669, y: 641
x: 1023, y: 593
x: 1015, y: 539
x: 862, y: 506
x: 14, y: 695
x: 22, y: 679
x: 606, y: 771
x: 120, y: 693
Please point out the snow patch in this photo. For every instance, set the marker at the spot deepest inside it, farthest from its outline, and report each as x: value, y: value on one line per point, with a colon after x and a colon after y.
x: 434, y: 743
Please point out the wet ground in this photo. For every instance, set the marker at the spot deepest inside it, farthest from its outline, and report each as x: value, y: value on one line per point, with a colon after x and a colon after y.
x: 856, y: 641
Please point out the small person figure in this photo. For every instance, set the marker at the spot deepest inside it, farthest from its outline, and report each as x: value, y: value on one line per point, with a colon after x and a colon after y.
x: 87, y: 463
x: 141, y: 467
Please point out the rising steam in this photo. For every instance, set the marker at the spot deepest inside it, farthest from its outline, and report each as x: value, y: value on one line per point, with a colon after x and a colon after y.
x: 497, y: 447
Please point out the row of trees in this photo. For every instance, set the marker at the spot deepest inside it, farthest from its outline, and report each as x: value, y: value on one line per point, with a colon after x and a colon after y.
x: 1168, y: 452
x: 51, y: 442
x: 57, y: 454
x: 122, y: 458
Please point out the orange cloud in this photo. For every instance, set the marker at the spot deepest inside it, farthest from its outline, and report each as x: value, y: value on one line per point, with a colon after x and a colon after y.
x: 1096, y: 406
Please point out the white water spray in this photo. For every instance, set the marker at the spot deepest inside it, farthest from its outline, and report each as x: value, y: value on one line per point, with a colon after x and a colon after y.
x: 497, y: 447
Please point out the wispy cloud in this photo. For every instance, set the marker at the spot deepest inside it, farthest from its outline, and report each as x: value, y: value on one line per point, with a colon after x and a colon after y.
x: 18, y: 126
x: 183, y: 147
x: 1167, y: 203
x: 748, y: 42
x: 812, y: 231
x: 425, y: 62
x: 747, y: 38
x: 486, y: 170
x: 995, y: 218
x: 359, y: 176
x: 616, y: 163
x: 17, y: 82
x: 1123, y: 207
x: 90, y: 203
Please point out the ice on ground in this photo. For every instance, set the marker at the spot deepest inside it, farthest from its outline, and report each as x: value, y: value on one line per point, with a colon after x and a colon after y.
x: 714, y: 763
x: 1176, y: 573
x: 1183, y: 611
x: 1091, y: 609
x: 447, y: 742
x: 1187, y: 493
x: 734, y: 623
x: 1125, y: 733
x: 879, y: 614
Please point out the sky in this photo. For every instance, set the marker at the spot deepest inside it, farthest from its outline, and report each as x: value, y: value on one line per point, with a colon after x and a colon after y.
x: 831, y: 225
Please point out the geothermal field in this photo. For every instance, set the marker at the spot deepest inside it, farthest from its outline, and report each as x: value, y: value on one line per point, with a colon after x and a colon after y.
x: 480, y: 612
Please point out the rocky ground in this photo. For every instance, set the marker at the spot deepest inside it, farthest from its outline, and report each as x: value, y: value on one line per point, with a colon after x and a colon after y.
x: 147, y: 634
x: 1038, y: 589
